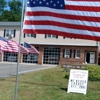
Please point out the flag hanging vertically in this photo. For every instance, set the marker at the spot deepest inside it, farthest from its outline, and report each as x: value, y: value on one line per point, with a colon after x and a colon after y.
x: 70, y: 18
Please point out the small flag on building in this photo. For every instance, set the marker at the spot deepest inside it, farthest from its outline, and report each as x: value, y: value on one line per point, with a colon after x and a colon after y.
x: 31, y: 48
x: 11, y: 46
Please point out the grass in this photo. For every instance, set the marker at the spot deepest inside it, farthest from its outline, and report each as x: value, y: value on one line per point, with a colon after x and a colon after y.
x: 48, y: 84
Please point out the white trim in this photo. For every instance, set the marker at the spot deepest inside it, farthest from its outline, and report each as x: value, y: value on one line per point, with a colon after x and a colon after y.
x: 69, y: 44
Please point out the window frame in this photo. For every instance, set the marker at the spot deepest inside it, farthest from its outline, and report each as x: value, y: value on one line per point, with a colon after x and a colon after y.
x: 66, y: 37
x: 67, y: 53
x: 8, y: 32
x: 30, y: 35
x: 77, y: 53
x: 51, y: 36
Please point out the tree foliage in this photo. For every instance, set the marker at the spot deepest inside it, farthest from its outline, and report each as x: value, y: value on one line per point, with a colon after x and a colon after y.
x: 3, y: 4
x: 14, y: 13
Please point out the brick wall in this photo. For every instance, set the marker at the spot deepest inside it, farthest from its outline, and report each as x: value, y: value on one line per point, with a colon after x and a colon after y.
x: 63, y: 60
x: 40, y: 55
x: 0, y: 57
x: 73, y: 60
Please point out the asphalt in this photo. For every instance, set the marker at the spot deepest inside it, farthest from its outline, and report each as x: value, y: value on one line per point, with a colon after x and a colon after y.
x: 10, y: 69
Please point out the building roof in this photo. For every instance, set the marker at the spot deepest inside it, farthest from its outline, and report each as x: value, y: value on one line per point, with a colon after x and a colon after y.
x: 2, y: 24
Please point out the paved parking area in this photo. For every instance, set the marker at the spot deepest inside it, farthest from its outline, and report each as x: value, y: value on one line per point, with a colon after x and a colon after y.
x: 9, y: 69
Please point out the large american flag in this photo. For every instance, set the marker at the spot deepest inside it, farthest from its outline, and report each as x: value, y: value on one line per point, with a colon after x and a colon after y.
x: 70, y: 18
x: 31, y: 48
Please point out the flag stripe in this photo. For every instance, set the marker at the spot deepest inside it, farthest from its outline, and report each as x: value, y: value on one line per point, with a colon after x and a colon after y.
x: 61, y: 24
x: 64, y: 33
x: 62, y: 16
x: 81, y: 3
x: 63, y: 12
x: 83, y: 8
x: 77, y: 22
x: 60, y: 29
x: 85, y: 0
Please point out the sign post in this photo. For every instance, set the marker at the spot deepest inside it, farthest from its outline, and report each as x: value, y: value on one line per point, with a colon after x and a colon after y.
x: 78, y: 81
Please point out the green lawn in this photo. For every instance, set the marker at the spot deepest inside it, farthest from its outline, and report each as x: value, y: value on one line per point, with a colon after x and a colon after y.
x: 48, y: 84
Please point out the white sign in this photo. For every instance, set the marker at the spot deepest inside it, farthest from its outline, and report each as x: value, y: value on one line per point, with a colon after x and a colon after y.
x: 78, y: 81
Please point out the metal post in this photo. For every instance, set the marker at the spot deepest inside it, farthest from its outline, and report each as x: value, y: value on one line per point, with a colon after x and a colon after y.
x: 20, y: 35
x: 97, y: 44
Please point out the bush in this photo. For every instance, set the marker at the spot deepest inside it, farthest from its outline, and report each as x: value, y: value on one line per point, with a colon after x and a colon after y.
x: 67, y: 75
x: 94, y: 72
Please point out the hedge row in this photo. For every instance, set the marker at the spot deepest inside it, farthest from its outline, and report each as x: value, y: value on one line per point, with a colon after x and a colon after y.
x: 94, y: 72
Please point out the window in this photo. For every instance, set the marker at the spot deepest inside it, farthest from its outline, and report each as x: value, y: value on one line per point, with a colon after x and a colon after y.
x: 77, y: 53
x: 51, y: 55
x: 30, y: 58
x: 51, y: 36
x: 67, y: 37
x: 64, y: 37
x: 9, y: 33
x: 30, y: 35
x: 10, y: 57
x: 67, y: 53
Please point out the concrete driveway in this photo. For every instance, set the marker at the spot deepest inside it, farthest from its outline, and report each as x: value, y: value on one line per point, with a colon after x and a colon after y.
x: 9, y: 69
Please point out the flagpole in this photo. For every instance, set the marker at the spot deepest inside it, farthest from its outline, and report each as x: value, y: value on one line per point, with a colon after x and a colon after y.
x: 97, y: 43
x: 18, y: 59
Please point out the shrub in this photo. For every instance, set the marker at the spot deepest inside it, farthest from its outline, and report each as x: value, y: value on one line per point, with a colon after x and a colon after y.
x: 67, y: 75
x: 94, y: 72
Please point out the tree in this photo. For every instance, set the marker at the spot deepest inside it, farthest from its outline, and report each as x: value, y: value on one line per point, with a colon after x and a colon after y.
x: 14, y: 13
x: 3, y: 4
x: 5, y: 16
x: 15, y: 5
x: 15, y: 10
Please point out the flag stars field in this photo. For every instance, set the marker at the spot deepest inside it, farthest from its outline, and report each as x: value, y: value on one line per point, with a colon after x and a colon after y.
x: 46, y: 2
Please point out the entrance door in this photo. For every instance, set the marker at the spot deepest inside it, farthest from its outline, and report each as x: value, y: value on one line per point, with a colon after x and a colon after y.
x: 92, y: 56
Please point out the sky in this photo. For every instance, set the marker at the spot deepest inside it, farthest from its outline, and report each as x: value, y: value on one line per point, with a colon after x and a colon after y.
x: 7, y: 8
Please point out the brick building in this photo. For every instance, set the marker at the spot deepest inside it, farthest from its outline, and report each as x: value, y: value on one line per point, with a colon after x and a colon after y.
x: 53, y: 49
